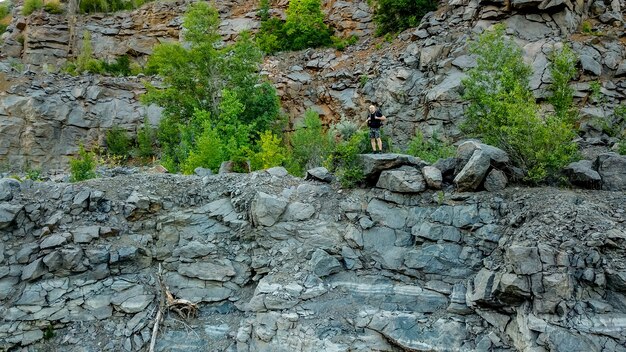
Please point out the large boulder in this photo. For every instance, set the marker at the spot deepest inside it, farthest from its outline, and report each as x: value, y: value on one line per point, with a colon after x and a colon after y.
x: 495, y: 181
x: 581, y: 173
x: 473, y: 173
x: 8, y: 186
x: 319, y: 174
x: 405, y: 179
x: 266, y: 209
x: 612, y: 170
x: 465, y: 150
x: 8, y: 213
x: 374, y: 164
x: 433, y: 177
x: 324, y: 264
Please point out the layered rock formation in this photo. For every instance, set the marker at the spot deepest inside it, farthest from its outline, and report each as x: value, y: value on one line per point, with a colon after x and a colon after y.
x: 276, y: 263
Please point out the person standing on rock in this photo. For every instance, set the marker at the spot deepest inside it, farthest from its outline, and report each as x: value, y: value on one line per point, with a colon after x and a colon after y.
x: 374, y: 121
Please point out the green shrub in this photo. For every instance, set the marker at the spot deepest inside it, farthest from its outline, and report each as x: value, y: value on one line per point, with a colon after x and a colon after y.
x: 145, y: 140
x: 82, y: 167
x: 31, y: 6
x: 118, y: 142
x: 344, y: 129
x: 503, y: 111
x: 563, y: 69
x: 429, y: 150
x: 119, y: 67
x: 341, y: 43
x: 91, y: 6
x: 621, y: 147
x: 303, y: 28
x: 272, y: 152
x: 397, y: 15
x: 4, y: 10
x: 344, y: 161
x: 310, y: 145
x: 53, y: 7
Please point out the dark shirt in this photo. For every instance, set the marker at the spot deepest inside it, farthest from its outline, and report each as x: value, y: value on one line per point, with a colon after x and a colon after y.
x: 373, y: 122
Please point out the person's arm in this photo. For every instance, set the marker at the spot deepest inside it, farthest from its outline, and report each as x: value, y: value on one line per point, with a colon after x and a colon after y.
x: 380, y: 116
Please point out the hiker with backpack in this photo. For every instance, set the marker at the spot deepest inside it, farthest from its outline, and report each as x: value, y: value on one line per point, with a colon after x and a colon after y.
x: 375, y: 121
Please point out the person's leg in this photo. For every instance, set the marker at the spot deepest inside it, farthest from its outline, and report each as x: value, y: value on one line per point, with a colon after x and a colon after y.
x: 380, y: 144
x: 373, y: 138
x: 373, y: 141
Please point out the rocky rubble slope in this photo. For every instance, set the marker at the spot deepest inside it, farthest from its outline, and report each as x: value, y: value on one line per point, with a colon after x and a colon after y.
x: 277, y: 263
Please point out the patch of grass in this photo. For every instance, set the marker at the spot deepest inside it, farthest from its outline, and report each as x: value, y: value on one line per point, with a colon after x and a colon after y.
x: 31, y: 6
x: 53, y: 7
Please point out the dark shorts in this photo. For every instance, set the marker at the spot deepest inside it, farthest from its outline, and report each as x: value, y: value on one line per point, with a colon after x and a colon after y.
x: 374, y: 132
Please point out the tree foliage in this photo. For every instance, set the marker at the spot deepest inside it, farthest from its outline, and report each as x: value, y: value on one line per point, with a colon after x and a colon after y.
x: 303, y: 28
x: 503, y: 111
x: 209, y: 88
x: 397, y: 15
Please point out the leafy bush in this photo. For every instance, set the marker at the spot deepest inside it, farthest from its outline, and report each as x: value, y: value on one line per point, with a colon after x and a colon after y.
x: 53, y: 6
x: 621, y: 147
x: 119, y: 67
x: 83, y: 166
x: 504, y: 113
x: 344, y: 129
x: 145, y: 140
x: 303, y: 28
x: 31, y: 6
x: 344, y: 160
x: 429, y: 150
x: 563, y: 69
x: 272, y: 152
x: 398, y: 15
x: 4, y: 10
x: 310, y: 145
x: 118, y: 142
x: 91, y: 6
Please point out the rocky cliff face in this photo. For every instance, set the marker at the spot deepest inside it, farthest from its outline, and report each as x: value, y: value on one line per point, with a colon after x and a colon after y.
x: 276, y: 263
x: 416, y: 78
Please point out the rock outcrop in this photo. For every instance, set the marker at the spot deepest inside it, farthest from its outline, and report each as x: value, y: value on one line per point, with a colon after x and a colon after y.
x: 275, y: 263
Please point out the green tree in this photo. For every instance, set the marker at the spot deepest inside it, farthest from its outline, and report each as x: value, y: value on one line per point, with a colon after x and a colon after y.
x: 304, y: 26
x: 201, y: 78
x: 118, y: 142
x: 503, y: 111
x: 397, y: 15
x: 563, y: 69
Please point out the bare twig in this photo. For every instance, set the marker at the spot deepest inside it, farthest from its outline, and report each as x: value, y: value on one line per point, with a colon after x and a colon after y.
x: 159, y: 316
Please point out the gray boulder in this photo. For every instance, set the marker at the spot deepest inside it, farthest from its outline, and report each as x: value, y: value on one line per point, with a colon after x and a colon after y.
x: 86, y: 234
x: 590, y: 65
x: 277, y: 171
x: 266, y: 209
x: 495, y: 181
x: 374, y: 164
x: 581, y: 173
x: 324, y: 264
x: 466, y: 149
x: 319, y: 174
x: 432, y: 176
x: 473, y: 173
x: 201, y: 171
x: 8, y: 213
x: 8, y: 187
x: 612, y: 170
x: 405, y: 179
x: 33, y: 270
